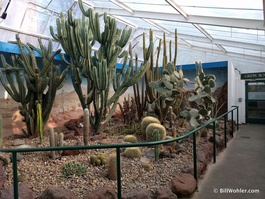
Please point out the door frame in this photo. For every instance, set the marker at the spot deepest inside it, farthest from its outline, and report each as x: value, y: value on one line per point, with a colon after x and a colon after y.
x: 252, y: 120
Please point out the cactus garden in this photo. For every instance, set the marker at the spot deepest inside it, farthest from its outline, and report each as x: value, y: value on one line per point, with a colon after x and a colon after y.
x: 140, y: 102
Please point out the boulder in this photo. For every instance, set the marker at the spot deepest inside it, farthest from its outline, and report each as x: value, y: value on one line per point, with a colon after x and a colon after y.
x: 183, y: 185
x: 57, y: 193
x: 137, y: 194
x: 24, y: 192
x: 105, y: 192
x: 165, y: 193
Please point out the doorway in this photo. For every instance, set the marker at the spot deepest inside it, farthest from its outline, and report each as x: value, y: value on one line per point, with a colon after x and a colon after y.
x: 255, y: 102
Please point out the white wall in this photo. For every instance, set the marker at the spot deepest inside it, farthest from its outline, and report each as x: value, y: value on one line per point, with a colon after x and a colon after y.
x: 236, y: 93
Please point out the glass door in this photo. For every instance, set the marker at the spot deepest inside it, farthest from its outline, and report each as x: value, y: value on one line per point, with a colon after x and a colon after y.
x: 255, y: 102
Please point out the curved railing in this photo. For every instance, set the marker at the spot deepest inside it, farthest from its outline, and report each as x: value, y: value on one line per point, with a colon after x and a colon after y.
x: 119, y: 146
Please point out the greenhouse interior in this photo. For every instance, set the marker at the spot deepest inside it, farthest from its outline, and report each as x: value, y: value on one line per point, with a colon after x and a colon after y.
x: 81, y: 64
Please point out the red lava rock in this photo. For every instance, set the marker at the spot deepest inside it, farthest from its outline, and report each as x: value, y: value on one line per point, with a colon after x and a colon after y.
x: 183, y: 185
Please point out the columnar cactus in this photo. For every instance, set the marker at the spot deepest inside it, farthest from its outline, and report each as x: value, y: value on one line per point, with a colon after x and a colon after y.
x: 56, y: 140
x: 112, y: 167
x: 77, y: 37
x: 86, y: 126
x: 32, y: 85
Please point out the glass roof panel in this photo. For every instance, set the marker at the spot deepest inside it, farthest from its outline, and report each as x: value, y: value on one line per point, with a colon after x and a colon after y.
x: 202, y: 45
x: 182, y: 28
x: 102, y: 3
x: 253, y: 4
x: 236, y: 34
x: 151, y: 6
x: 226, y: 13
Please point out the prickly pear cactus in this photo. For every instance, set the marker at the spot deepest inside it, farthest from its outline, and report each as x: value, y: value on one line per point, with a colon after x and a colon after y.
x: 202, y: 96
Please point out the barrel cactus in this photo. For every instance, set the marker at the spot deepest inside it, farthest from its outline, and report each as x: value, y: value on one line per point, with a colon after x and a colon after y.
x: 133, y: 152
x: 150, y: 132
x: 130, y: 138
x: 145, y: 122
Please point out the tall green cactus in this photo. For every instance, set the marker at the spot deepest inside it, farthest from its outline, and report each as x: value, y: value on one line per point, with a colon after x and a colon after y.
x: 77, y: 37
x: 32, y: 85
x: 156, y: 74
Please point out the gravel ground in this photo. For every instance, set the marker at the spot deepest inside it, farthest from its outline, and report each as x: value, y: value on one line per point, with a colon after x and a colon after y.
x: 41, y: 171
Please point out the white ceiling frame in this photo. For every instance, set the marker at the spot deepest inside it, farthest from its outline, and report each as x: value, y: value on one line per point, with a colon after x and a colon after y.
x: 223, y: 42
x: 177, y: 8
x: 214, y: 21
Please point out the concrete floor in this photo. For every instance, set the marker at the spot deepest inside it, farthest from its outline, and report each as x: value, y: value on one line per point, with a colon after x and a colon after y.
x: 238, y: 168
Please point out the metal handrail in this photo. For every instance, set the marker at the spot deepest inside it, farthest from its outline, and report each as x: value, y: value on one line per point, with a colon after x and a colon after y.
x: 119, y: 146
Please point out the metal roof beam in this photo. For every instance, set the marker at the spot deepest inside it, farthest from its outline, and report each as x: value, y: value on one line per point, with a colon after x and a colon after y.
x: 214, y: 21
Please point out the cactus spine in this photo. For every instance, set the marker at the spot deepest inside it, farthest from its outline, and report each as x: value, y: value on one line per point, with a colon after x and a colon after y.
x: 77, y: 37
x: 32, y: 85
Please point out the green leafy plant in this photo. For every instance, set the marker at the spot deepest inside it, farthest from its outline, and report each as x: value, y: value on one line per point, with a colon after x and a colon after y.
x: 71, y: 169
x: 33, y: 85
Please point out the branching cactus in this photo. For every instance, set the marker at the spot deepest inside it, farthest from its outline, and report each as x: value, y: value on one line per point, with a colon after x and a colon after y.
x: 202, y: 96
x: 33, y: 86
x: 98, y: 69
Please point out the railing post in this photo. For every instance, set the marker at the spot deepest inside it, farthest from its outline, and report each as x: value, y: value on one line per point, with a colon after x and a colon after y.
x: 237, y: 118
x: 195, y: 159
x: 118, y: 158
x: 232, y: 117
x: 214, y: 143
x: 15, y: 178
x: 225, y: 120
